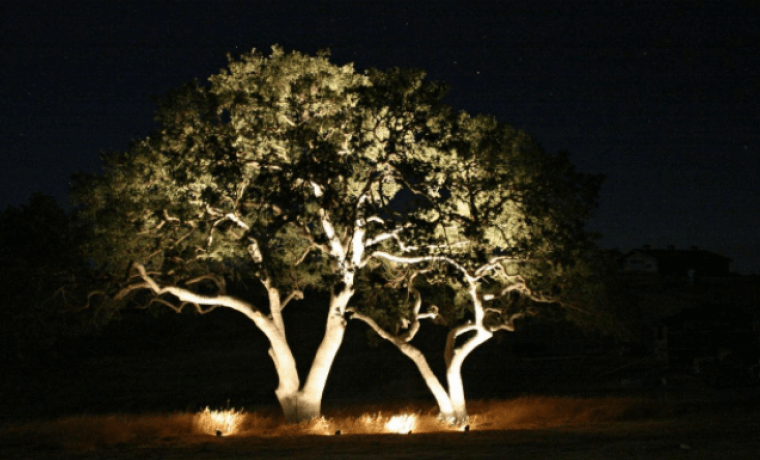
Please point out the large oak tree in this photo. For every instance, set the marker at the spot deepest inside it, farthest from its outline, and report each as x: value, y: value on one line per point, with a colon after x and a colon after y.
x: 294, y: 172
x: 505, y: 237
x: 283, y: 169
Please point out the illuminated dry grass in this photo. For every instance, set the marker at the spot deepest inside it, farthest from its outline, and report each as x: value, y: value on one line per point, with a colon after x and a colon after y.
x: 88, y: 432
x: 218, y: 422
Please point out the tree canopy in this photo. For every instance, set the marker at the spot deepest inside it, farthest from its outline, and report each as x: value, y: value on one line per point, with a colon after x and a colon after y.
x: 282, y: 169
x: 504, y: 234
x: 298, y: 173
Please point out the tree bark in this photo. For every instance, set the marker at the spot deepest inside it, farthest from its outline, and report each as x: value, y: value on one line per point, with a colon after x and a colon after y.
x: 299, y: 407
x: 310, y: 400
x: 288, y: 386
x: 434, y: 385
x: 445, y: 407
x: 297, y: 404
x: 454, y: 372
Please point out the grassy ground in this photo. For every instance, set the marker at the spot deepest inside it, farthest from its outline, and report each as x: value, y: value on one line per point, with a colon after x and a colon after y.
x: 528, y: 427
x: 139, y: 391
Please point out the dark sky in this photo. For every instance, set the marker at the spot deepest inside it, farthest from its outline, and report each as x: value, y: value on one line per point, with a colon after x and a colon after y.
x: 660, y: 96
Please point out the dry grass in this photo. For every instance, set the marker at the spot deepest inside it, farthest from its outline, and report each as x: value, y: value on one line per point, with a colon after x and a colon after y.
x: 544, y: 412
x: 87, y: 432
x: 90, y: 432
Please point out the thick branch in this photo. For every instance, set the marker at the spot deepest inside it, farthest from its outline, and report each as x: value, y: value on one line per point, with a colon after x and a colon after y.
x: 336, y: 248
x: 413, y: 353
x: 451, y: 339
x: 186, y: 295
x: 375, y: 327
x: 182, y: 305
x: 400, y: 259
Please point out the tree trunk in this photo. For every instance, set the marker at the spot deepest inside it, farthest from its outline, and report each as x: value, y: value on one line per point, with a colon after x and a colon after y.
x: 299, y: 407
x: 456, y: 395
x: 445, y: 408
x: 297, y: 403
x: 310, y: 397
x: 419, y: 360
x: 287, y: 391
x: 454, y: 372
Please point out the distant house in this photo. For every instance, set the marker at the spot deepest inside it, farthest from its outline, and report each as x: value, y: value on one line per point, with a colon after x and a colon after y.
x: 675, y: 262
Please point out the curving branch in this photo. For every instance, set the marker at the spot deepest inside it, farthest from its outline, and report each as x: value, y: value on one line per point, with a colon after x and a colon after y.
x: 188, y: 296
x: 168, y: 218
x: 90, y: 295
x: 182, y: 305
x: 305, y: 254
x: 221, y: 219
x: 123, y: 292
x: 451, y: 339
x: 374, y: 326
x: 295, y: 294
x: 413, y: 353
x: 399, y: 259
x: 414, y: 323
x: 496, y: 264
x: 392, y: 234
x: 218, y: 281
x: 525, y: 291
x: 498, y: 321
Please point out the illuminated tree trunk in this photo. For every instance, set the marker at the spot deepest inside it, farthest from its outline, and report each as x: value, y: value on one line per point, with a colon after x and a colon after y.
x: 452, y: 404
x: 297, y: 403
x: 419, y: 360
x: 445, y: 408
x: 310, y: 397
x: 455, y: 360
x: 287, y: 391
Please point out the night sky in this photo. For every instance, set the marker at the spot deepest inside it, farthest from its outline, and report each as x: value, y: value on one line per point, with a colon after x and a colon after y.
x: 660, y: 97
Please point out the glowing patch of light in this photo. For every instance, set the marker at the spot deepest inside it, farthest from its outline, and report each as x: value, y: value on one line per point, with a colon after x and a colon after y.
x: 319, y: 426
x: 215, y: 422
x: 401, y: 424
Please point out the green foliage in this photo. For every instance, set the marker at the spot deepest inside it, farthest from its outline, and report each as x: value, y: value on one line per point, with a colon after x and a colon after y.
x: 510, y: 216
x: 385, y: 300
x: 575, y: 290
x: 191, y: 198
x: 276, y: 145
x: 238, y: 161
